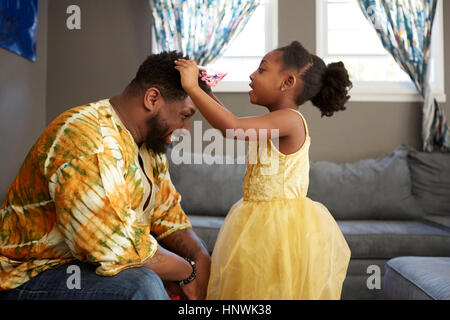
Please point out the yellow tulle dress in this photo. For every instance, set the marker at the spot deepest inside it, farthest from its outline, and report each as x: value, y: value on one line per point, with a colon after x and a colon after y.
x: 276, y: 243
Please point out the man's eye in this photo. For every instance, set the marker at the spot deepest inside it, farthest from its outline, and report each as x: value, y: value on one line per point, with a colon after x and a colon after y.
x: 185, y: 116
x: 260, y: 70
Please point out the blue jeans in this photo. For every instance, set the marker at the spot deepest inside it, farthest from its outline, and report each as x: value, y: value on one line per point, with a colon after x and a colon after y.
x: 56, y: 284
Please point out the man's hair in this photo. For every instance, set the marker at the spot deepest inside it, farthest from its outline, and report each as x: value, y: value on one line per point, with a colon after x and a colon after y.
x: 158, y: 71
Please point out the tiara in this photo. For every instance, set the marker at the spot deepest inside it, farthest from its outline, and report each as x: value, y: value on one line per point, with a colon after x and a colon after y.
x: 211, y: 77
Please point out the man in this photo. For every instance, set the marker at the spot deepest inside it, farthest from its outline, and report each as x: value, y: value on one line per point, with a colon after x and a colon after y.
x: 94, y: 199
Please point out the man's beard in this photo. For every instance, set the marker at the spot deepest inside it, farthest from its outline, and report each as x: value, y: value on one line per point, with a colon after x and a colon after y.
x: 156, y: 138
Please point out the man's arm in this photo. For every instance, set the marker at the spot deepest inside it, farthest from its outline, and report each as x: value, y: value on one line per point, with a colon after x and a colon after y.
x: 172, y: 227
x: 168, y: 266
x: 172, y: 268
x: 187, y: 244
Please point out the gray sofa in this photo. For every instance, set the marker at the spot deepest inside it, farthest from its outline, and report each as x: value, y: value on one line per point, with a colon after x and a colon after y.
x: 395, y: 205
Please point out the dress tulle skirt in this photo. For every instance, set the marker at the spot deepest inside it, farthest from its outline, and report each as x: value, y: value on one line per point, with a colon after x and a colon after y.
x: 278, y: 250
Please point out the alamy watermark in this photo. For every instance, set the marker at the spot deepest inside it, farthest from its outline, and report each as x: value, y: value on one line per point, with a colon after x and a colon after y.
x: 258, y: 140
x: 73, y: 21
x: 374, y: 280
x: 74, y: 280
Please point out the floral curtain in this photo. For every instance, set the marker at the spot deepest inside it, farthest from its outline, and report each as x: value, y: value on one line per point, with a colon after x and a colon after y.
x: 201, y: 29
x: 404, y: 27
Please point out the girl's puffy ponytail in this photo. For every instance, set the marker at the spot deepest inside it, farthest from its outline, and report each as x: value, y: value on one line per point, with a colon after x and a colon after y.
x: 333, y: 95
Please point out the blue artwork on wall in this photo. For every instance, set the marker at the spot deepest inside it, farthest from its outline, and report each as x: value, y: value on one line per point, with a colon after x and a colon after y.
x: 18, y: 26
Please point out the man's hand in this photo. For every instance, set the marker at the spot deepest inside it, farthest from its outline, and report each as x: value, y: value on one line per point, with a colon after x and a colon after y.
x: 189, y: 74
x: 187, y: 244
x: 192, y: 290
x: 174, y: 290
x: 203, y: 263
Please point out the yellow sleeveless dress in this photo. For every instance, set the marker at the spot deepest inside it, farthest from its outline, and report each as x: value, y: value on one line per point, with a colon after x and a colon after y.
x: 276, y: 243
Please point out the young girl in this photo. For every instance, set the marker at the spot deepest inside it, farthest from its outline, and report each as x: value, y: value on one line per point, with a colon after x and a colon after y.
x: 276, y: 243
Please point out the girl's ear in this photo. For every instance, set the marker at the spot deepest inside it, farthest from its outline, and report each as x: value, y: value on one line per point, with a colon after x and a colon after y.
x: 290, y: 81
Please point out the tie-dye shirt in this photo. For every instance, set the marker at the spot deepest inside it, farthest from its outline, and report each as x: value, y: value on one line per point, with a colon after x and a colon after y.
x: 86, y: 191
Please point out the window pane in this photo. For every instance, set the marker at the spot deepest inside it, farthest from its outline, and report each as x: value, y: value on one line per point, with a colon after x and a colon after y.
x: 239, y: 69
x: 341, y: 42
x: 339, y: 13
x: 252, y: 40
x: 352, y: 39
x: 349, y: 32
x: 244, y: 54
x: 383, y: 68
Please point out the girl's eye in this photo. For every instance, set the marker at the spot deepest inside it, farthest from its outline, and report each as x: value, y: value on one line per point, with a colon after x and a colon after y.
x: 260, y: 70
x: 185, y: 116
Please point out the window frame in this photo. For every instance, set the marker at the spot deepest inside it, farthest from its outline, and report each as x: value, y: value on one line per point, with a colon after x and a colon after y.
x: 380, y: 91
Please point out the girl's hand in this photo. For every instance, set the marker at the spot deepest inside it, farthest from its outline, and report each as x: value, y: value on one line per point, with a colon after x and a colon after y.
x: 189, y: 73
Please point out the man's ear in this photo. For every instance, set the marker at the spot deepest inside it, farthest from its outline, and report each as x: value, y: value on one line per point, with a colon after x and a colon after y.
x: 290, y: 81
x: 152, y: 99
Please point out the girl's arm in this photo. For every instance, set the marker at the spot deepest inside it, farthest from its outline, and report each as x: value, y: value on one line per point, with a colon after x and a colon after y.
x: 211, y: 94
x: 278, y: 123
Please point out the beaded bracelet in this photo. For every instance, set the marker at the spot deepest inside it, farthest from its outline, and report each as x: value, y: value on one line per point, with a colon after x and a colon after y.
x: 192, y: 276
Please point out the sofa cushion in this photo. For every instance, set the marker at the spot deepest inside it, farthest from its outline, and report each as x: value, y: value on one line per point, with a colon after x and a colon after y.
x: 430, y: 174
x: 372, y: 239
x: 367, y: 239
x: 207, y: 228
x: 368, y: 189
x: 208, y: 189
x: 417, y: 278
x: 442, y: 222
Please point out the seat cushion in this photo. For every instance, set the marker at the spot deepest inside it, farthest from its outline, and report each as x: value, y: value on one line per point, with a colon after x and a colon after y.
x: 366, y: 239
x: 372, y: 239
x: 417, y: 278
x: 207, y: 228
x: 442, y: 222
x: 368, y: 189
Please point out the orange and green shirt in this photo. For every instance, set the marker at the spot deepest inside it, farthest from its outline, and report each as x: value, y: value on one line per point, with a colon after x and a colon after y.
x: 86, y: 191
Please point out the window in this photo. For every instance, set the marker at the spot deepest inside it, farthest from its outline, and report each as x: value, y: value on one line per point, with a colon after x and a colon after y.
x: 244, y: 54
x: 344, y: 34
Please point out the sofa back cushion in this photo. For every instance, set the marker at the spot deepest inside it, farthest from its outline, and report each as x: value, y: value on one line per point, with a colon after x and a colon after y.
x: 378, y: 188
x: 430, y: 173
x: 207, y: 189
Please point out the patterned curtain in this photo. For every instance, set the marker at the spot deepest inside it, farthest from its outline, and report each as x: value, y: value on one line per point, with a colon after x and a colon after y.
x: 404, y: 27
x: 201, y: 29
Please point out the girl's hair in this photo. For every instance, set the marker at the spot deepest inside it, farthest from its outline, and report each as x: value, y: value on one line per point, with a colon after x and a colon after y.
x: 326, y: 86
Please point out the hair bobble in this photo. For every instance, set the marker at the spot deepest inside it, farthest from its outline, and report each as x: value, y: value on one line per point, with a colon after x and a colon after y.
x: 211, y: 77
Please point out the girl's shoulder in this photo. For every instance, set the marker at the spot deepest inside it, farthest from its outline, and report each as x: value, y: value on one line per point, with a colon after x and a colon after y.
x: 300, y: 119
x: 294, y: 141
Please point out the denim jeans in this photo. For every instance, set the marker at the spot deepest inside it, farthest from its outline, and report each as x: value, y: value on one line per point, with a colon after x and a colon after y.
x: 56, y: 284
